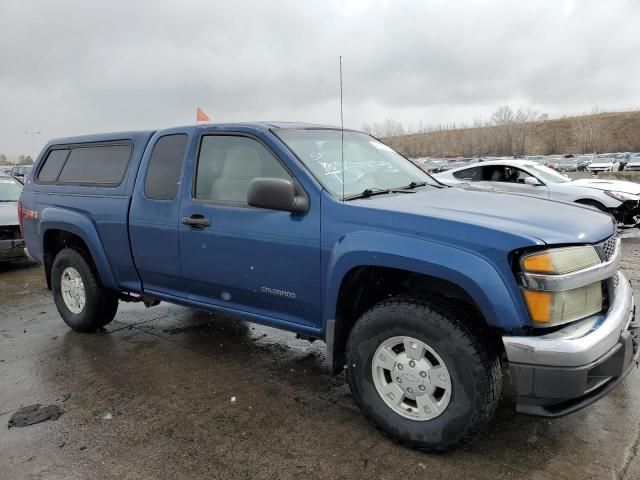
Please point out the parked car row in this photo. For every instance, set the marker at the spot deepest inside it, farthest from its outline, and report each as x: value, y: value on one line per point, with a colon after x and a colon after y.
x: 605, y: 162
x: 18, y: 172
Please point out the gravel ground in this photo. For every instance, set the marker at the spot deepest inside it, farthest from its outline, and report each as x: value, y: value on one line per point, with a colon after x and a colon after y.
x: 170, y: 392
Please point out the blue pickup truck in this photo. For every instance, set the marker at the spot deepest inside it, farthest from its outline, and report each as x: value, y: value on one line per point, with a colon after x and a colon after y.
x: 421, y: 291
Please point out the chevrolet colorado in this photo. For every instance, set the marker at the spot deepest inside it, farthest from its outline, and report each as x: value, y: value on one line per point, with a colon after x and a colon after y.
x: 420, y: 290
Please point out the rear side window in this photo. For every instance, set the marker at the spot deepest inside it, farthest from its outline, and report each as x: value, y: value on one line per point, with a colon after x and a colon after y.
x: 165, y: 165
x: 104, y: 164
x: 52, y: 165
x: 471, y: 174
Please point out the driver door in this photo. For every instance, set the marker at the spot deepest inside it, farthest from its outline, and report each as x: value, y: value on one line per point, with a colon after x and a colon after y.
x: 514, y: 180
x: 254, y: 260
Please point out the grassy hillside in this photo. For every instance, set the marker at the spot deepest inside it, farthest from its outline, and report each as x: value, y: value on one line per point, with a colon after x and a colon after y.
x: 603, y: 132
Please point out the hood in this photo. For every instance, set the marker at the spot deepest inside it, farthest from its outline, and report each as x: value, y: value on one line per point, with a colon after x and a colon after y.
x: 534, y: 219
x: 612, y: 185
x: 8, y: 213
x: 603, y: 163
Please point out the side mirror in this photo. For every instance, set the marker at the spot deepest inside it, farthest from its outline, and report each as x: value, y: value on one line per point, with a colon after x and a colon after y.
x: 276, y: 194
x: 532, y: 181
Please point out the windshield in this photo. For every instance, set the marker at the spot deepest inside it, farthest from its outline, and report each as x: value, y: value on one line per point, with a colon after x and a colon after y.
x: 368, y: 163
x: 9, y: 190
x: 549, y: 175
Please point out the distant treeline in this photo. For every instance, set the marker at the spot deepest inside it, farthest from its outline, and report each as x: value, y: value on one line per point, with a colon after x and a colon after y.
x: 517, y: 132
x: 21, y: 160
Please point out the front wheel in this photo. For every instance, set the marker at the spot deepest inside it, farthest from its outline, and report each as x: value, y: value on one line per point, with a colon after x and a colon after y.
x: 422, y: 372
x: 82, y: 301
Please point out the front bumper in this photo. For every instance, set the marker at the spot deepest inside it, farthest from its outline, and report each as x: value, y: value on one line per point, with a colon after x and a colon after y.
x: 628, y: 213
x: 11, y: 249
x: 568, y: 369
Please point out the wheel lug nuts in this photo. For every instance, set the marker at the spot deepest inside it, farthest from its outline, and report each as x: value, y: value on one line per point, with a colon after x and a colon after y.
x: 400, y: 367
x: 412, y: 364
x: 422, y: 388
x: 423, y: 374
x: 399, y: 380
x: 410, y: 390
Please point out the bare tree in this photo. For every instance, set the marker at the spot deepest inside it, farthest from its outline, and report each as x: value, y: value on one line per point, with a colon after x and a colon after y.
x: 585, y: 131
x: 503, y: 116
x: 521, y: 130
x: 552, y: 142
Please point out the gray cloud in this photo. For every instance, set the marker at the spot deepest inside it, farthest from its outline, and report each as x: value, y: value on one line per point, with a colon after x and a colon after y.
x: 72, y: 66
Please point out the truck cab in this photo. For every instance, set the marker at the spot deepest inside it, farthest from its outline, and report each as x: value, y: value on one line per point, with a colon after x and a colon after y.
x: 420, y: 290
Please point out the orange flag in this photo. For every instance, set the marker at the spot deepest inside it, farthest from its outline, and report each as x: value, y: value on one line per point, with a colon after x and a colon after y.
x: 201, y: 116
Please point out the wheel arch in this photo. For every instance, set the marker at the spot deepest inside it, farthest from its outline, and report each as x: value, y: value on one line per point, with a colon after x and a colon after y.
x: 593, y: 203
x: 466, y: 279
x: 60, y: 229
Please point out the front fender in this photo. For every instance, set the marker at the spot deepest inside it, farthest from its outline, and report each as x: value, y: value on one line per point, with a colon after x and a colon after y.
x: 496, y: 297
x: 53, y: 218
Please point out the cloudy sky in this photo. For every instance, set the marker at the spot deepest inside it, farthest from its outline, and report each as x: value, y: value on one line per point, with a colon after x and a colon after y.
x: 76, y: 66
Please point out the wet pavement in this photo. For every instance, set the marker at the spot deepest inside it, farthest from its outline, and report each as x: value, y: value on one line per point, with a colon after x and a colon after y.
x: 169, y: 392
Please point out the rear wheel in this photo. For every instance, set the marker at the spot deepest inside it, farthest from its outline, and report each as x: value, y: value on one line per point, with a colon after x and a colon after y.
x: 82, y: 301
x: 422, y: 372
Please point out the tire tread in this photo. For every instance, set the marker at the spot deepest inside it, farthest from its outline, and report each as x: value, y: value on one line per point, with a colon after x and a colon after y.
x: 488, y: 378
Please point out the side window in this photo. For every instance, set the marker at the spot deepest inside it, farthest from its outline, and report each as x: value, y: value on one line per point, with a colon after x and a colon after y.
x: 469, y: 174
x: 105, y: 164
x: 52, y: 165
x: 516, y: 175
x: 165, y: 165
x: 494, y: 173
x: 227, y: 164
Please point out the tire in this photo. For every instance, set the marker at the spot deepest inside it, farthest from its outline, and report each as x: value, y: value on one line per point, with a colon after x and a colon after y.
x: 100, y: 304
x: 473, y: 367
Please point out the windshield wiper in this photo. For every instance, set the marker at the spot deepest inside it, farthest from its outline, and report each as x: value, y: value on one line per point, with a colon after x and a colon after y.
x: 368, y: 192
x: 413, y: 185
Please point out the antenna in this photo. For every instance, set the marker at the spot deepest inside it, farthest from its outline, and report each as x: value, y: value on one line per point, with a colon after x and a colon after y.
x: 341, y: 130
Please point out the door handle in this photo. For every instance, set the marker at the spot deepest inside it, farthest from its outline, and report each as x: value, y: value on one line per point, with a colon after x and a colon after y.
x: 196, y: 221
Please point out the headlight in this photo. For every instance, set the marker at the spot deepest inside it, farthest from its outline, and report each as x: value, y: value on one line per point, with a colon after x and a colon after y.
x: 623, y: 196
x: 553, y: 308
x: 560, y: 260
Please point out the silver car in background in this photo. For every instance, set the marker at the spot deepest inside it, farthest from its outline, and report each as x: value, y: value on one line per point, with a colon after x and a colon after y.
x: 619, y: 198
x: 567, y: 165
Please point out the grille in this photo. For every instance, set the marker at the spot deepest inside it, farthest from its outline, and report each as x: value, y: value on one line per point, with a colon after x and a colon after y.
x: 10, y: 232
x: 608, y: 247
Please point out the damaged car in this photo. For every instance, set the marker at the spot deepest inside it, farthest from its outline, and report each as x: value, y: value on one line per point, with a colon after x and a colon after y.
x: 619, y: 198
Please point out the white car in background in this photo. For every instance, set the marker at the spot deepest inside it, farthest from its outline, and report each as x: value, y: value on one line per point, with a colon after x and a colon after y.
x: 619, y: 198
x: 604, y: 163
x: 634, y: 164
